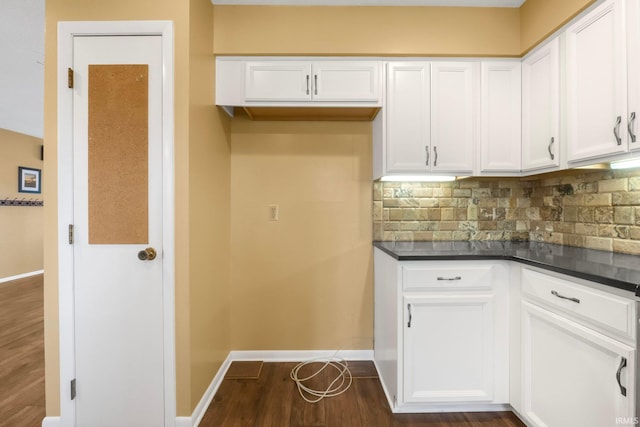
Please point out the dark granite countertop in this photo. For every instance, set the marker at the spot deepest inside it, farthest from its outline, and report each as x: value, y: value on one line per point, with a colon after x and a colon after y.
x: 621, y: 271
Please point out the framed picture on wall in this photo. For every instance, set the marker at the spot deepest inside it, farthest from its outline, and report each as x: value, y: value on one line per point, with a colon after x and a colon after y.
x: 29, y: 180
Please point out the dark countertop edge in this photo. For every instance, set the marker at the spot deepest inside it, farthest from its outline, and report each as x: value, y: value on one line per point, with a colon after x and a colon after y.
x: 626, y: 286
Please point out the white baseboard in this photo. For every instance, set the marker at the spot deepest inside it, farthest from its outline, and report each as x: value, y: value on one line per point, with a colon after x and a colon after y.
x: 51, y: 422
x: 183, y: 421
x: 207, y: 397
x: 300, y: 355
x: 21, y: 276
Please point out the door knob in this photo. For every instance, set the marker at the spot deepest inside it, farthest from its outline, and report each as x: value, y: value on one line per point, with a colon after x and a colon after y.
x: 148, y: 254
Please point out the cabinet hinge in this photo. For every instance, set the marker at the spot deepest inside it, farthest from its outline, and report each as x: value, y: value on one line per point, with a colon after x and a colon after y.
x: 70, y: 77
x: 73, y: 389
x: 71, y: 234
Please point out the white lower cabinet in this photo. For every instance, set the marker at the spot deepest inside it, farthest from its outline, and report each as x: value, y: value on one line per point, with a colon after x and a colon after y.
x: 572, y: 375
x: 574, y: 372
x: 441, y: 334
x: 461, y: 336
x: 448, y: 348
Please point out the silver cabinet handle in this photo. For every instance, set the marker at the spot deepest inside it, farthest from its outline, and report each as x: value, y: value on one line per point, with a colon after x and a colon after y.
x: 623, y: 363
x: 450, y: 278
x: 435, y: 156
x: 632, y: 118
x: 576, y: 300
x: 426, y: 150
x: 409, y: 310
x: 315, y: 84
x: 616, y: 130
x: 549, y: 148
x: 307, y: 84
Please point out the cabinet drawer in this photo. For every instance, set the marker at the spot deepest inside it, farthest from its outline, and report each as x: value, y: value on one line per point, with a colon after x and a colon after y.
x: 610, y: 311
x: 440, y: 278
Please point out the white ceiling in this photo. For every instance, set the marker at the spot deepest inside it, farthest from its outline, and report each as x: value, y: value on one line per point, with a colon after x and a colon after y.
x: 458, y: 3
x: 22, y: 66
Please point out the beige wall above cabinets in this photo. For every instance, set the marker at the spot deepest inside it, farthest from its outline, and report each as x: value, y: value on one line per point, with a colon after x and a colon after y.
x: 366, y: 31
x: 21, y: 227
x: 540, y: 18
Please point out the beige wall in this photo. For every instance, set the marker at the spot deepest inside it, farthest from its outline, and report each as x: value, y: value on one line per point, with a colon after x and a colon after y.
x: 209, y: 211
x: 305, y: 281
x: 196, y: 188
x: 540, y: 18
x: 326, y: 30
x: 21, y: 227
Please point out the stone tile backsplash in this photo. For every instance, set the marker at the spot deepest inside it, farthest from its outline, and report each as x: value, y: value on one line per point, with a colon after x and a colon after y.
x: 592, y: 209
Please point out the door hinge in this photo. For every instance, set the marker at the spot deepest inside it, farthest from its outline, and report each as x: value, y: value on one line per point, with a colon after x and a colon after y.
x: 71, y: 234
x: 73, y: 389
x: 70, y: 78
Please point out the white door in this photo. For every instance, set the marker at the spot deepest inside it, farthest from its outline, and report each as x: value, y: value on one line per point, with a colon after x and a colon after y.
x: 573, y: 376
x: 448, y: 348
x: 454, y: 111
x: 408, y: 148
x: 541, y: 108
x: 118, y: 298
x: 596, y: 83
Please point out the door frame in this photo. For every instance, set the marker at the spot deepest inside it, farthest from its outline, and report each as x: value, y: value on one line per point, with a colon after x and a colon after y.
x: 66, y: 33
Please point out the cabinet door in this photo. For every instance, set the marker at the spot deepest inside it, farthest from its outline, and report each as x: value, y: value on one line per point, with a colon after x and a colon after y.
x: 454, y: 106
x: 448, y: 348
x: 278, y: 81
x: 573, y: 376
x: 500, y: 140
x: 541, y: 108
x: 355, y: 81
x: 596, y: 83
x: 633, y: 73
x: 407, y: 104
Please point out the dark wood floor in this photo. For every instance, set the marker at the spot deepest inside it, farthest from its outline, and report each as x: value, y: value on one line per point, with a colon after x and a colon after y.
x: 273, y: 400
x: 22, y: 353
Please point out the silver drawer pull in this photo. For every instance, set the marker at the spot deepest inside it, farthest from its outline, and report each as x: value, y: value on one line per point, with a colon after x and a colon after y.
x: 450, y: 278
x: 576, y: 300
x: 623, y: 363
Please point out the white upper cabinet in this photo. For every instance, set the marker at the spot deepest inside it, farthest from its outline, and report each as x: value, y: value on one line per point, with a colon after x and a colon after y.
x: 500, y: 143
x: 596, y: 83
x: 278, y: 80
x: 454, y: 116
x: 301, y: 81
x: 541, y: 108
x: 429, y: 122
x: 408, y: 137
x: 633, y: 73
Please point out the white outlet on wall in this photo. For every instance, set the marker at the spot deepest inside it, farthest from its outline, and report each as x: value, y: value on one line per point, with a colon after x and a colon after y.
x: 274, y: 211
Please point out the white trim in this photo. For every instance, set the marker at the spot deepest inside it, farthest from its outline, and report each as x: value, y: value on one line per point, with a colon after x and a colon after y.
x: 183, y: 421
x: 21, y: 276
x: 51, y: 422
x: 66, y: 32
x: 300, y: 355
x: 207, y: 397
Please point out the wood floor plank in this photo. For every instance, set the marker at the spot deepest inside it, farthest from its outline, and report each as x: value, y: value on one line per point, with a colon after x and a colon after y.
x: 273, y: 400
x: 22, y: 399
